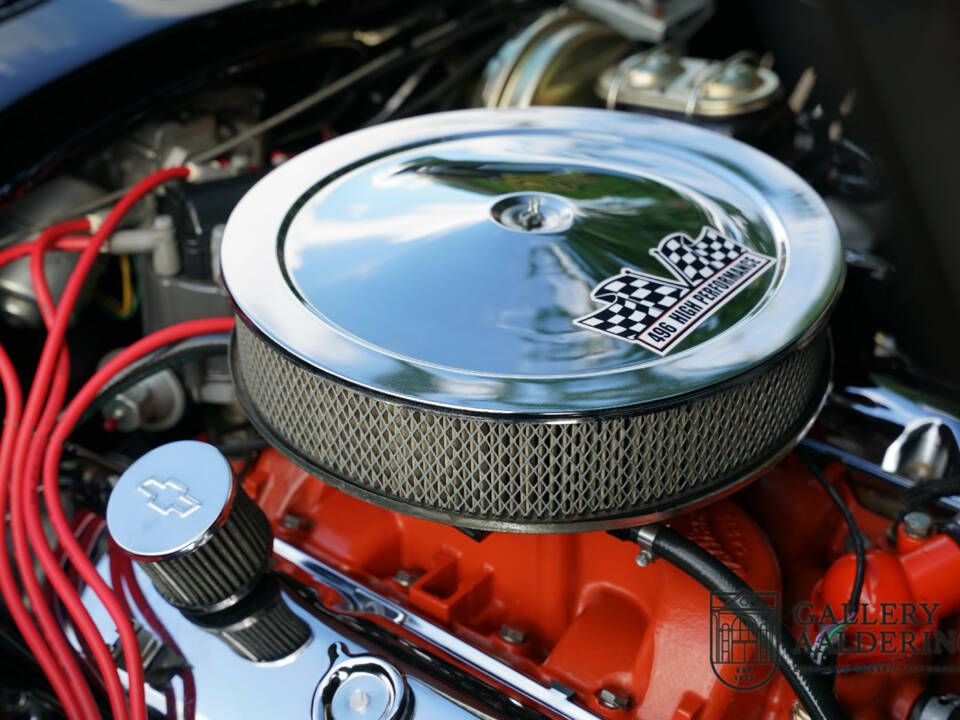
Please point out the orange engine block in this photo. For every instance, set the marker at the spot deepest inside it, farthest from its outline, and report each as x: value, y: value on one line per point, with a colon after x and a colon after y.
x: 578, y: 610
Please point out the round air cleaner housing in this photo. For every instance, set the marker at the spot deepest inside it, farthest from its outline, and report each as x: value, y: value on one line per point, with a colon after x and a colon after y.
x: 532, y: 320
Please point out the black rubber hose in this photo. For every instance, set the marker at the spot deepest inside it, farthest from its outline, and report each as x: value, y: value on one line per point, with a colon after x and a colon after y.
x: 815, y: 695
x: 170, y: 356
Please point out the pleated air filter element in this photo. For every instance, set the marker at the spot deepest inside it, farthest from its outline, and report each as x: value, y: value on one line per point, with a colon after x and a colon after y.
x: 535, y: 320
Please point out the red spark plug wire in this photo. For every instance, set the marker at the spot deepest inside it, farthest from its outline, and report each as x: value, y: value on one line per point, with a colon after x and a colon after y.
x: 43, y: 380
x: 72, y: 243
x: 26, y: 505
x: 51, y: 464
x: 47, y: 643
x: 8, y: 583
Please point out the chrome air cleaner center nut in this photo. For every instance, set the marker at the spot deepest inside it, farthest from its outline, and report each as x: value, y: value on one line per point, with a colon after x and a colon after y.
x: 180, y: 513
x: 537, y: 320
x: 533, y: 212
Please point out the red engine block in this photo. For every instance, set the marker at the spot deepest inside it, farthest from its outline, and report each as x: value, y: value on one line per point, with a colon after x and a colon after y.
x: 578, y: 610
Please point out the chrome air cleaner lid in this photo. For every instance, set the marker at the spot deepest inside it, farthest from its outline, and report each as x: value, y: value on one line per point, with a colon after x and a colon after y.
x: 455, y: 289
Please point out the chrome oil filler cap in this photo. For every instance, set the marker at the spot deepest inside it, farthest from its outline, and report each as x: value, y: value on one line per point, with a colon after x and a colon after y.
x: 534, y: 320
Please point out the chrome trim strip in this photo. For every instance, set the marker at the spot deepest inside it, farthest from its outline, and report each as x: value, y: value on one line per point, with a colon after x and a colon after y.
x: 370, y: 602
x: 872, y: 469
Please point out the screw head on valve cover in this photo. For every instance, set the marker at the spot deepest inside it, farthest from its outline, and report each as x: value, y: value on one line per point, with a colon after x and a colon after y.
x: 180, y: 513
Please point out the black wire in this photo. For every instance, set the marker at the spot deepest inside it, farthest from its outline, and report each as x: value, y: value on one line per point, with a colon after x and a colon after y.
x: 248, y: 465
x: 858, y: 545
x: 402, y: 93
x: 443, y: 89
x: 96, y: 458
x: 798, y: 669
x: 243, y: 448
x: 434, y: 40
x: 863, y: 181
x: 422, y: 45
x: 931, y: 490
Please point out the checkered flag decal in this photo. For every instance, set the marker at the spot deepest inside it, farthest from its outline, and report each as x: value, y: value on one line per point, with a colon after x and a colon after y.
x: 635, y: 302
x: 696, y: 260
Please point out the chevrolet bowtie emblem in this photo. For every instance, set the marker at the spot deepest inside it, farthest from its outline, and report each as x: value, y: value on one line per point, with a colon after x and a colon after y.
x: 168, y: 497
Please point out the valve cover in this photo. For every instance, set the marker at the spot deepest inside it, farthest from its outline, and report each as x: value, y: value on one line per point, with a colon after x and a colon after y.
x: 533, y: 320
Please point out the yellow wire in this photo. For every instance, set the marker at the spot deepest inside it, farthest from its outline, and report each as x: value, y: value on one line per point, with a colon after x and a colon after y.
x: 128, y: 294
x: 126, y: 277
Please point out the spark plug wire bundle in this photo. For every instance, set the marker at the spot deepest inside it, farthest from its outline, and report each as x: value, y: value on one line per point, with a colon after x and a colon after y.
x: 34, y: 431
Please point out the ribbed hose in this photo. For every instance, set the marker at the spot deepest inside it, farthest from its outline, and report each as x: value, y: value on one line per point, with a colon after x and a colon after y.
x: 815, y: 695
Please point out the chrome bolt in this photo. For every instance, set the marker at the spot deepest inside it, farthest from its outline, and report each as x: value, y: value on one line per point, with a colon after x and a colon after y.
x: 514, y: 636
x: 406, y: 578
x: 917, y: 525
x: 531, y: 217
x: 614, y: 699
x: 644, y: 558
x: 294, y: 522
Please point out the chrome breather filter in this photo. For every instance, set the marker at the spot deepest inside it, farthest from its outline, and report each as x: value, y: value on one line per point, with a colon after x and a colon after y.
x: 181, y: 514
x: 536, y: 320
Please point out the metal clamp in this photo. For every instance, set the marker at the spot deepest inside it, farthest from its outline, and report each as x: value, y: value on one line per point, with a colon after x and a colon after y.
x: 645, y: 535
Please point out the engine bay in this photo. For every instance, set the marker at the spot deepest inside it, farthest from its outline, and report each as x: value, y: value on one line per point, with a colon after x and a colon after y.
x: 497, y: 361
